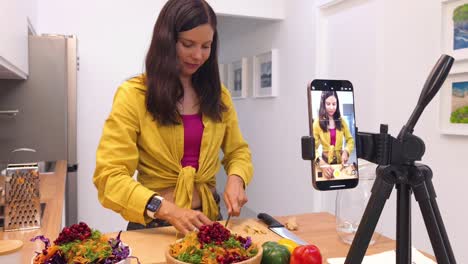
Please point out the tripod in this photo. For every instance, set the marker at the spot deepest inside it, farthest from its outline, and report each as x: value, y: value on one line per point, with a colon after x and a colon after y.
x: 396, y: 158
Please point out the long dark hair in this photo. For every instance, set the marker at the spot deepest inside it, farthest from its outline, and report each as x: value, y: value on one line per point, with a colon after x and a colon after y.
x: 162, y: 71
x: 323, y: 115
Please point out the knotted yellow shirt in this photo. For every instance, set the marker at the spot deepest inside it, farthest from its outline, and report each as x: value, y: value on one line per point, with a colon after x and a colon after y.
x: 324, y: 139
x: 133, y: 140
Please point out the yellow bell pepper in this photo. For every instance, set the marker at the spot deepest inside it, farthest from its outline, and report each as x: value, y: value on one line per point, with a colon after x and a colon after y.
x: 288, y: 243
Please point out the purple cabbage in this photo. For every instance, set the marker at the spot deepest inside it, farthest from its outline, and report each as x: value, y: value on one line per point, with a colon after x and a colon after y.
x: 248, y: 243
x: 56, y: 259
x: 119, y: 251
x: 43, y: 239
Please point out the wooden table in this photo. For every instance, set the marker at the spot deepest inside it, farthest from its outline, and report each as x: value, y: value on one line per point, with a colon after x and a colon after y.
x: 52, y: 188
x: 316, y: 228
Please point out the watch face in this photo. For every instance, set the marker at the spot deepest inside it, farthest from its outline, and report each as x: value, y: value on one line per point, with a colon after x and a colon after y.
x: 154, y: 204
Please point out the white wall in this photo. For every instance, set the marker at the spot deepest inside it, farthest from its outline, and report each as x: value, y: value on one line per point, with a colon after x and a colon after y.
x: 31, y: 7
x: 274, y: 126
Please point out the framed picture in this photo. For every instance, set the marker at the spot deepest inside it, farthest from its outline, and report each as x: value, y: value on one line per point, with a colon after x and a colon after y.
x: 237, y: 78
x: 266, y: 74
x: 223, y: 73
x: 454, y: 105
x: 455, y: 29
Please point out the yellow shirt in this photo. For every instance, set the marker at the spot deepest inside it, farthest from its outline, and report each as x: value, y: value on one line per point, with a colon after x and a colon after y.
x: 133, y: 140
x: 324, y: 139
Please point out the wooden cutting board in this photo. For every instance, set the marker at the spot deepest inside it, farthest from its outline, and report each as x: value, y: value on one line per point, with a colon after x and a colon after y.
x: 10, y: 246
x: 154, y: 242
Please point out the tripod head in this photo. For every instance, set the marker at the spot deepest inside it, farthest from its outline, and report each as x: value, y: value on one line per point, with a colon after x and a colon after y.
x: 431, y: 87
x: 383, y: 149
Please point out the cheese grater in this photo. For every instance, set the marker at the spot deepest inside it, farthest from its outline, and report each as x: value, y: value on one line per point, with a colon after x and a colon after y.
x: 22, y: 197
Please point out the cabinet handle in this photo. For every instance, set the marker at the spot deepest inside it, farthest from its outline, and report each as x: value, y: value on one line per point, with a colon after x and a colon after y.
x: 8, y: 112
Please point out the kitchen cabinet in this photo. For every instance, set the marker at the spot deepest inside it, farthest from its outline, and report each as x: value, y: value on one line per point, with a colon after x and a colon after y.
x: 260, y: 9
x: 14, y: 23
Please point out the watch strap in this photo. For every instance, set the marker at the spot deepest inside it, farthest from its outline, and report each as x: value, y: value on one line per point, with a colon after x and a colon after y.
x: 150, y: 213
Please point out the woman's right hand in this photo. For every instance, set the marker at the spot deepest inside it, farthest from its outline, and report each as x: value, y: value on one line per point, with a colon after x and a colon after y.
x: 184, y: 220
x: 327, y: 170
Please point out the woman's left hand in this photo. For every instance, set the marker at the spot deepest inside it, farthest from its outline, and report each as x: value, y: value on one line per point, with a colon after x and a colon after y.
x: 234, y: 195
x: 344, y: 157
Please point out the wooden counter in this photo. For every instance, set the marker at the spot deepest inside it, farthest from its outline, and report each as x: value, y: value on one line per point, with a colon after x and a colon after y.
x: 52, y: 188
x: 315, y: 228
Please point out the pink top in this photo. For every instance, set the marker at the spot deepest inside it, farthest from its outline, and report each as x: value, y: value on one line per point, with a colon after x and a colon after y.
x: 193, y: 131
x: 332, y: 136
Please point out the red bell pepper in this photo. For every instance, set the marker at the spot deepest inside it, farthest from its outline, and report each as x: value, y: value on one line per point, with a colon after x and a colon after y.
x: 308, y: 254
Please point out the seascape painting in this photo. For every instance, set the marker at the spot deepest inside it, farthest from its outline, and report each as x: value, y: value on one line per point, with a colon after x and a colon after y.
x: 460, y: 27
x: 265, y: 75
x: 459, y: 109
x: 238, y: 79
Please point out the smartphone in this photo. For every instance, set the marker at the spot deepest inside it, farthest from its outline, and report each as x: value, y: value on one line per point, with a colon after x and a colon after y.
x: 333, y: 128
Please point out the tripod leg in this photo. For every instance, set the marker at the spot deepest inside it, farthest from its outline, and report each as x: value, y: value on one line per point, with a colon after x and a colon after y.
x: 445, y: 238
x: 381, y: 191
x: 425, y: 195
x: 403, y: 231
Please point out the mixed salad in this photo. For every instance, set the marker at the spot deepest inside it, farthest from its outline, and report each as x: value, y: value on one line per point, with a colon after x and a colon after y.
x: 80, y: 244
x: 213, y: 244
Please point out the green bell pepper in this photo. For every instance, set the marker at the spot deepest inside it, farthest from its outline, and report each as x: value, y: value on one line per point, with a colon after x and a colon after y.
x: 274, y: 253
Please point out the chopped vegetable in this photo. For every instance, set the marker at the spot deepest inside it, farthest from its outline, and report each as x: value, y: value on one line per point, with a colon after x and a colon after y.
x: 253, y: 230
x: 274, y: 253
x: 291, y: 224
x: 308, y: 254
x: 80, y: 244
x: 213, y: 244
x: 288, y: 243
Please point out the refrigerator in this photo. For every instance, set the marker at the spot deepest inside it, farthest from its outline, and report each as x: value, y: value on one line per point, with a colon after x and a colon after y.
x: 40, y: 112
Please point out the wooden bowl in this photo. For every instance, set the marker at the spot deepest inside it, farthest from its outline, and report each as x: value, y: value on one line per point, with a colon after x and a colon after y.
x: 123, y: 261
x: 254, y: 260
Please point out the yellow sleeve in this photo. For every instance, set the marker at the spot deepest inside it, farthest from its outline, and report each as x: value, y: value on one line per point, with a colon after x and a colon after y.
x: 348, y: 136
x: 117, y: 159
x: 316, y: 129
x: 237, y: 157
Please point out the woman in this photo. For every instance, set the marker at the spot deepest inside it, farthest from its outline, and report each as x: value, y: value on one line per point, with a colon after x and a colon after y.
x: 169, y: 124
x: 329, y: 130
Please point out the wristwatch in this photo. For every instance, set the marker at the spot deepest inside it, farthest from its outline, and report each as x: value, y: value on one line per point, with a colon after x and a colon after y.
x: 153, y: 205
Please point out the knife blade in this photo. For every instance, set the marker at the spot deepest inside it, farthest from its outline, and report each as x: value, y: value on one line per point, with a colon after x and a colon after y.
x: 227, y: 221
x: 279, y: 228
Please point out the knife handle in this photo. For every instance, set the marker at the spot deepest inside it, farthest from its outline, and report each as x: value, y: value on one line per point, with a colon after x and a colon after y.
x: 269, y: 220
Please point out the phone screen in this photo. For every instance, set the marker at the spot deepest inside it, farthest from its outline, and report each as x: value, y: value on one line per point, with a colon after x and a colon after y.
x: 332, y: 126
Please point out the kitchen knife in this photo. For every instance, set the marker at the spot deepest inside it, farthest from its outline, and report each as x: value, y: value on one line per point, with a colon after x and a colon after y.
x: 227, y: 221
x: 279, y: 228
